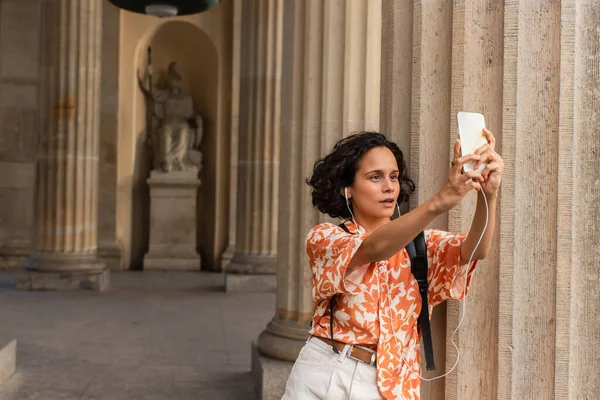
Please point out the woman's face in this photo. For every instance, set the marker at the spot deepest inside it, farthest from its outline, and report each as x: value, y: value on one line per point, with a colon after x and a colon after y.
x: 376, y: 186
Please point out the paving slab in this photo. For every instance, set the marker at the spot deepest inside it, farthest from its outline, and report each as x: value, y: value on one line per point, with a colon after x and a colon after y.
x: 155, y: 335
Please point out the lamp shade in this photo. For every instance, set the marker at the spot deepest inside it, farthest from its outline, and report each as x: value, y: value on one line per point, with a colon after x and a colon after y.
x: 165, y: 8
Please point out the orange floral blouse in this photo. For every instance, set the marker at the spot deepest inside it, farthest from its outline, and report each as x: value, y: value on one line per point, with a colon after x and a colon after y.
x: 379, y: 303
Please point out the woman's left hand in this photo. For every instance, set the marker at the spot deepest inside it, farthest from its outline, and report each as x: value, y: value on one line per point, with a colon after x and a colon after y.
x: 492, y: 173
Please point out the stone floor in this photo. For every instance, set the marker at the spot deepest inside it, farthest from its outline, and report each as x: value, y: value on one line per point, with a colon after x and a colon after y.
x: 154, y: 336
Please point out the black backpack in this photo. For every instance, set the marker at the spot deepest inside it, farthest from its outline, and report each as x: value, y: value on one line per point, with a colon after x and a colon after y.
x: 417, y: 251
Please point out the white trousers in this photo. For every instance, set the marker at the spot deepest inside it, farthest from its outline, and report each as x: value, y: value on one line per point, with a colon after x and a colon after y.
x: 319, y: 373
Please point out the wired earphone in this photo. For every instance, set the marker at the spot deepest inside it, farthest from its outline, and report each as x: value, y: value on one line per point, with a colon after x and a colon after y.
x: 463, y: 301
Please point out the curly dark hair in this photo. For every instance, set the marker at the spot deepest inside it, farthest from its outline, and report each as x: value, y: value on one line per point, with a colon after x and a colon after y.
x: 337, y: 170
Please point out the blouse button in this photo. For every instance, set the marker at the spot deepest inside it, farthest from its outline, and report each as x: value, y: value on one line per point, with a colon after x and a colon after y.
x: 382, y: 268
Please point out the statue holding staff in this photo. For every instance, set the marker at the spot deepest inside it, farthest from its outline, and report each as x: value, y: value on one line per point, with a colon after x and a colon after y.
x: 175, y: 130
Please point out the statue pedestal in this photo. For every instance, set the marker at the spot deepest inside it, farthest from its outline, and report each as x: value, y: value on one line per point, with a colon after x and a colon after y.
x: 172, y: 243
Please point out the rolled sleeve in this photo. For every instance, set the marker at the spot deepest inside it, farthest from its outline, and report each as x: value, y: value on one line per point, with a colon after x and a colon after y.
x: 330, y: 249
x: 445, y: 275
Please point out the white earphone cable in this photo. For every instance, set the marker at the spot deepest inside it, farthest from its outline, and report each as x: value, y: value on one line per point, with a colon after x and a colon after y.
x: 463, y: 302
x: 350, y: 209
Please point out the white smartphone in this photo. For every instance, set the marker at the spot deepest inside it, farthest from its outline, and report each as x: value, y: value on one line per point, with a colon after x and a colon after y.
x: 470, y: 132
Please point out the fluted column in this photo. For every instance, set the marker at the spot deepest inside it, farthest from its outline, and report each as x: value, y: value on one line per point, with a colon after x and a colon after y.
x: 416, y: 92
x: 528, y: 243
x: 254, y: 262
x: 551, y: 213
x: 531, y: 68
x: 582, y: 271
x: 578, y: 258
x: 331, y: 72
x: 477, y: 56
x: 66, y: 206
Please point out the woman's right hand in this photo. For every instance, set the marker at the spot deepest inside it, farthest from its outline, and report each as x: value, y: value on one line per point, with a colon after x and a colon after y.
x: 458, y: 184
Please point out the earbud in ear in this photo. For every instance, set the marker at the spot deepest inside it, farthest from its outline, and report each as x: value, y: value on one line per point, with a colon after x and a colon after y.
x: 346, y: 193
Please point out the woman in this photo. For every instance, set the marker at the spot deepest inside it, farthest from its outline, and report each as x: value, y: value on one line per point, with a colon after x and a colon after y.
x: 362, y: 264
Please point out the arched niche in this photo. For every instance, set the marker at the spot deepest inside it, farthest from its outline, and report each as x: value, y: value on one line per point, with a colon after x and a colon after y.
x: 198, y: 64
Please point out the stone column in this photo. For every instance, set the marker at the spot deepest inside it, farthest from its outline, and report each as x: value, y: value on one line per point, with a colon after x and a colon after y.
x: 551, y: 204
x: 528, y: 245
x: 416, y: 92
x: 578, y: 258
x: 254, y: 262
x: 66, y: 211
x: 476, y: 69
x: 330, y: 87
x: 532, y: 68
x: 236, y: 68
x: 109, y: 249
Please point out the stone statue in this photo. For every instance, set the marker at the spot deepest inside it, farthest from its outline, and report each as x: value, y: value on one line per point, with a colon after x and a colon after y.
x: 174, y: 129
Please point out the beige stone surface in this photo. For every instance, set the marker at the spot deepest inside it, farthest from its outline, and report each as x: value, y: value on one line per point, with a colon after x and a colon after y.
x: 250, y: 283
x: 328, y: 91
x: 148, y: 338
x: 583, y: 273
x: 476, y: 86
x: 269, y: 374
x: 173, y: 207
x: 66, y: 200
x: 429, y: 138
x: 109, y: 250
x: 97, y: 281
x: 8, y: 359
x: 16, y: 205
x: 203, y: 51
x: 236, y: 42
x: 20, y: 39
x: 416, y: 91
x: 528, y: 239
x: 529, y: 68
x: 258, y: 155
x: 19, y: 88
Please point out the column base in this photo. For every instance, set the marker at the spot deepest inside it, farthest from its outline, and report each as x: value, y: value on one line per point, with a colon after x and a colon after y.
x: 56, y: 262
x: 98, y: 281
x: 171, y: 264
x: 172, y: 258
x: 110, y: 255
x: 283, y: 339
x: 251, y: 274
x: 227, y: 256
x: 269, y: 374
x: 14, y: 254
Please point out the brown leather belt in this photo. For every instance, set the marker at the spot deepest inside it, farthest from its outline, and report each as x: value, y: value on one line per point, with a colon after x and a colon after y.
x: 364, y: 353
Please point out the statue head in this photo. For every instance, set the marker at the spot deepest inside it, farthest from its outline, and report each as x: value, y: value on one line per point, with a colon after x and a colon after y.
x: 173, y: 77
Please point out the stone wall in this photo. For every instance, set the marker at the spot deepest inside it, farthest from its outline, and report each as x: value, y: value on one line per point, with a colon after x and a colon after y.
x: 530, y: 330
x: 108, y: 249
x: 118, y: 199
x: 20, y: 24
x: 210, y: 48
x: 19, y: 86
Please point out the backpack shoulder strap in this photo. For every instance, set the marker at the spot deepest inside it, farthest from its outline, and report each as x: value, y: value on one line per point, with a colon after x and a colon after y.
x: 332, y: 302
x: 417, y: 251
x: 344, y: 227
